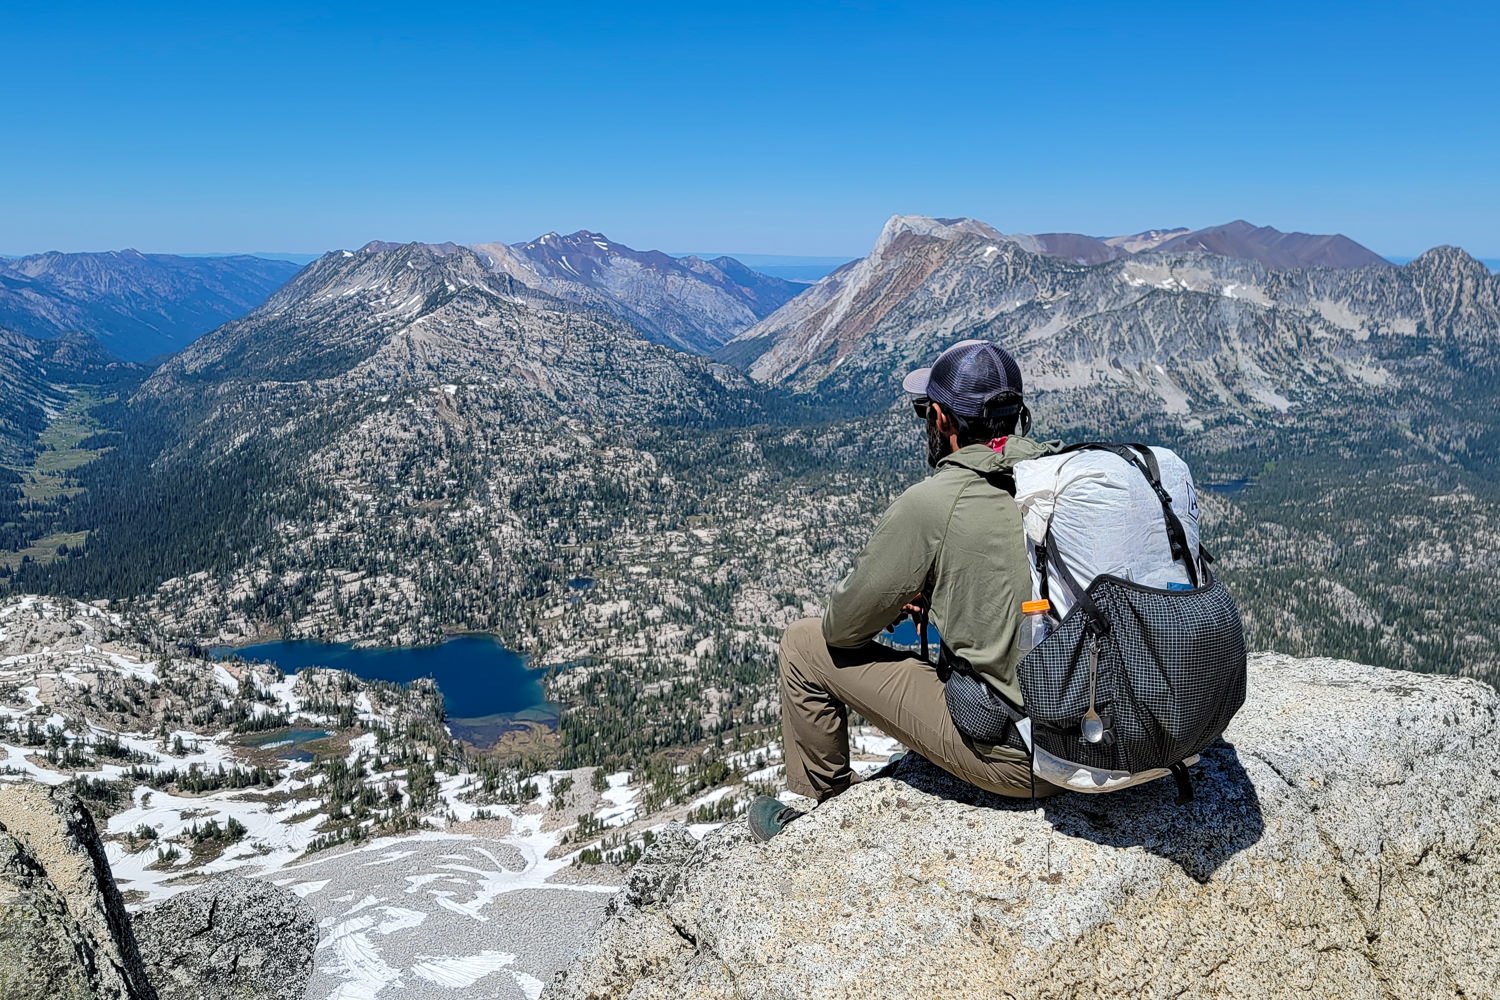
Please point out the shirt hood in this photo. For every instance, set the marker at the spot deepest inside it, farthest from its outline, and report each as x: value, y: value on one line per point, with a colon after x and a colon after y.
x: 983, y: 459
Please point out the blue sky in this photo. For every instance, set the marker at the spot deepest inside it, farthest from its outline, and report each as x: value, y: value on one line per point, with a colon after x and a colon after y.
x: 766, y: 127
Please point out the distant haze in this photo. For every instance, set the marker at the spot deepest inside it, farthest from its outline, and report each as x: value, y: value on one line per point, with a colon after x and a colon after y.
x: 788, y: 266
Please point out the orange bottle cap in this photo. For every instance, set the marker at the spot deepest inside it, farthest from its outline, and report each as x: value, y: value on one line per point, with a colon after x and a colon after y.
x: 1035, y: 607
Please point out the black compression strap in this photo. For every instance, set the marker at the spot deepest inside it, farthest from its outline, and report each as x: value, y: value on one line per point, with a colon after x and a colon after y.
x: 1175, y: 532
x: 1080, y: 595
x: 945, y: 661
x: 1031, y: 766
x: 1151, y: 469
x: 1041, y: 570
x: 1149, y: 457
x: 1184, y: 783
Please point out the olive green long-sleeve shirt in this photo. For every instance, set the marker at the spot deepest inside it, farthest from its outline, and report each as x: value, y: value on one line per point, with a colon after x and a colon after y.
x: 961, y: 534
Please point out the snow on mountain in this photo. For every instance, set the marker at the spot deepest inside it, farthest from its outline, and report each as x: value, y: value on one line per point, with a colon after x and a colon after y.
x: 426, y: 912
x: 478, y: 895
x: 1194, y: 330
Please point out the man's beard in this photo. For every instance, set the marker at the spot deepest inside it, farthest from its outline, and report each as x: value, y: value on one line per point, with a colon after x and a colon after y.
x: 937, y: 444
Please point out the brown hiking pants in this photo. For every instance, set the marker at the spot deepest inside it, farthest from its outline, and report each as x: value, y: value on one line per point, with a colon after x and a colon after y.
x: 898, y: 693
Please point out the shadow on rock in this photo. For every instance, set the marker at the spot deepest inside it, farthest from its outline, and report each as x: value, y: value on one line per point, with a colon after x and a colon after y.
x: 1223, y: 819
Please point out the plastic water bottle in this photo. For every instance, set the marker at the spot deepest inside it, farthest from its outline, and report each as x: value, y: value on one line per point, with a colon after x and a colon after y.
x: 1036, y: 624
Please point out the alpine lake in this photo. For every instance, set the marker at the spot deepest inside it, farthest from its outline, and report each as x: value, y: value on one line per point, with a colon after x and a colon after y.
x: 487, y: 690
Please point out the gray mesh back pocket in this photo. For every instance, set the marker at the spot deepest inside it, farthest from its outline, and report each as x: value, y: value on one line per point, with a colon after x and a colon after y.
x: 1170, y: 676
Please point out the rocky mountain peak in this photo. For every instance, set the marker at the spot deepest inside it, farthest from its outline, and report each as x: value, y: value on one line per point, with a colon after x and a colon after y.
x: 447, y: 249
x: 1273, y: 248
x: 581, y: 239
x: 1450, y: 260
x: 342, y: 308
x: 923, y: 225
x: 1460, y: 297
x: 583, y: 253
x: 380, y: 268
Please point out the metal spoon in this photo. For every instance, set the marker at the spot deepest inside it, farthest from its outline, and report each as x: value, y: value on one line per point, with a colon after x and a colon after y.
x: 1092, y: 726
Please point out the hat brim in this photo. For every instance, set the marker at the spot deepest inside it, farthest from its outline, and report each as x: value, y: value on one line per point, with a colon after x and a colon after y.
x: 916, y: 382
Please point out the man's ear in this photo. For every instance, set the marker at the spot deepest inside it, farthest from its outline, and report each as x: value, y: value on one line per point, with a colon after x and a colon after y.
x: 944, y: 422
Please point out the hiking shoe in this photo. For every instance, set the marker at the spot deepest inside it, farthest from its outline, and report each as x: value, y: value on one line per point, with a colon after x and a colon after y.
x: 767, y: 817
x: 888, y: 768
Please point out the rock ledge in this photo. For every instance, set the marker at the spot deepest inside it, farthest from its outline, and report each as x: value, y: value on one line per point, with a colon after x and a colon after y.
x: 65, y: 934
x: 1344, y: 843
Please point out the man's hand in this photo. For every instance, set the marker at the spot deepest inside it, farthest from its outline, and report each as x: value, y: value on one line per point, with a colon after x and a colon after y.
x: 914, y: 609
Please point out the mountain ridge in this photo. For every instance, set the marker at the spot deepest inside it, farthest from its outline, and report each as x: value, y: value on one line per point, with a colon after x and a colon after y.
x: 138, y: 305
x: 1264, y: 336
x: 1273, y: 248
x: 1239, y: 239
x: 418, y: 314
x: 689, y: 303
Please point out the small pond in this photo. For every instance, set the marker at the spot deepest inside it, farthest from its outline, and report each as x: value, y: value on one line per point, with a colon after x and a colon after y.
x: 1227, y: 486
x: 289, y: 744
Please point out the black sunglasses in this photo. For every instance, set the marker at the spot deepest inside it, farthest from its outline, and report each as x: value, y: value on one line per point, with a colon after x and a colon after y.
x: 921, y: 405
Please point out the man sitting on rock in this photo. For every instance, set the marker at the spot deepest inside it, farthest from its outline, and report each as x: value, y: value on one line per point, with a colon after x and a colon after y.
x: 952, y: 543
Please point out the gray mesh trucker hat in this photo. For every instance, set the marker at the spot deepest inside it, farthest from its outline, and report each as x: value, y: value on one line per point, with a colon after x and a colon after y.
x: 973, y: 378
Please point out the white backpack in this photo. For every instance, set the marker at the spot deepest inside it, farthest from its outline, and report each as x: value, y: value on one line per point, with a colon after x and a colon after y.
x: 1140, y: 663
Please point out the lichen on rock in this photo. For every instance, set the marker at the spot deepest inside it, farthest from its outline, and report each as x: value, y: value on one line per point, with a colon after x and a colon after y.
x: 1343, y: 843
x: 232, y: 939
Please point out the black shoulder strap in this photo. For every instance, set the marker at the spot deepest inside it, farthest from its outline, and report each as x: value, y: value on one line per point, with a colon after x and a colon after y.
x: 1143, y: 460
x: 1176, y: 534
